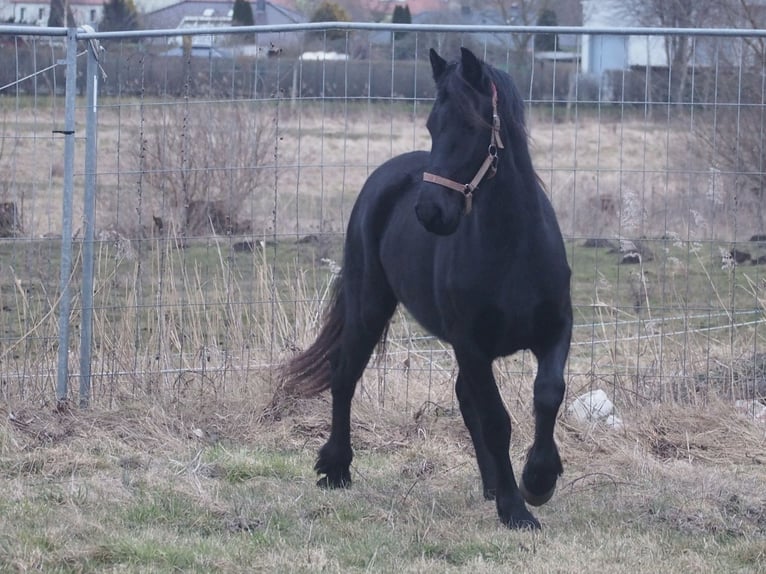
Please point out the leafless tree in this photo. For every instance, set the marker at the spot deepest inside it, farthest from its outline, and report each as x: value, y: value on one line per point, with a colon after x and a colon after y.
x: 518, y: 13
x: 731, y: 132
x: 673, y: 14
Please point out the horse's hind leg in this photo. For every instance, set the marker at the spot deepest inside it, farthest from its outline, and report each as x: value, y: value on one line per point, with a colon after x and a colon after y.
x: 473, y: 424
x: 367, y: 313
x: 543, y: 466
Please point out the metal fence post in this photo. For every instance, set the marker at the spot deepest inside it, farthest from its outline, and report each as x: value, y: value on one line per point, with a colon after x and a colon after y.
x: 65, y: 303
x: 89, y: 213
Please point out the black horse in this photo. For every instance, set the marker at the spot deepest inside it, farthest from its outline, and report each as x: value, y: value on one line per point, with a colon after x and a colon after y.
x: 466, y: 239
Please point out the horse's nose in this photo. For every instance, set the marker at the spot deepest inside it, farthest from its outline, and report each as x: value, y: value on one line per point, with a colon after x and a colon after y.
x: 428, y: 214
x: 432, y: 218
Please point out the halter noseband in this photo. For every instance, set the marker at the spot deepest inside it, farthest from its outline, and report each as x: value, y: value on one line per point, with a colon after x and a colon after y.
x: 489, y: 165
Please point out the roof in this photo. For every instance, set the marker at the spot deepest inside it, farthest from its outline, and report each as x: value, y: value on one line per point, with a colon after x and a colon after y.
x: 170, y: 16
x: 482, y: 17
x: 386, y: 7
x: 72, y: 3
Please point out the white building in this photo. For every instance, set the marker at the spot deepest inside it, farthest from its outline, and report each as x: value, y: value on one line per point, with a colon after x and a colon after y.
x: 169, y: 12
x: 603, y: 52
x: 37, y: 13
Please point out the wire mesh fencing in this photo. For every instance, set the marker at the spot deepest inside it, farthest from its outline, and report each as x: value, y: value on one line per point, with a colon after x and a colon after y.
x: 223, y: 165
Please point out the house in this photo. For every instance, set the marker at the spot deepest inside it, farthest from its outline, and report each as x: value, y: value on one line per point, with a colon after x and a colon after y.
x: 190, y: 14
x: 36, y: 13
x: 462, y: 12
x: 150, y: 6
x: 155, y: 14
x: 382, y: 10
x: 604, y: 52
x: 217, y: 12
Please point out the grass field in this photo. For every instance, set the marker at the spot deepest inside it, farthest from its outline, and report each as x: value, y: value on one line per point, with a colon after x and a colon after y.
x: 207, y: 487
x: 176, y: 468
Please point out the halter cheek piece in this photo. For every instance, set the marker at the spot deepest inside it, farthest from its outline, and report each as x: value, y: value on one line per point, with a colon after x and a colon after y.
x: 489, y: 165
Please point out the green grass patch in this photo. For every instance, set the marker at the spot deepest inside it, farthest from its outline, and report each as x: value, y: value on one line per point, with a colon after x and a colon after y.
x: 171, y: 510
x: 241, y: 466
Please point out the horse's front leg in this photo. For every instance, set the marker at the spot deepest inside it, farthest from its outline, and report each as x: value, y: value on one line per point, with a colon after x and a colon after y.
x: 473, y: 424
x: 495, y: 427
x: 543, y: 466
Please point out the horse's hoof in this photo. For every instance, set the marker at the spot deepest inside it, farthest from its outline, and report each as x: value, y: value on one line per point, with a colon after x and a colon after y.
x: 514, y: 513
x: 524, y: 524
x: 535, y: 499
x: 523, y: 521
x: 328, y: 483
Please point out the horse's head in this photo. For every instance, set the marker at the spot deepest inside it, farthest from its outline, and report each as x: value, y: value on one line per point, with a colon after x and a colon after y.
x: 464, y: 141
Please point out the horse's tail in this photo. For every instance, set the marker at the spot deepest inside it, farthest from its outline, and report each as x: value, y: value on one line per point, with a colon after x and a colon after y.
x: 309, y: 372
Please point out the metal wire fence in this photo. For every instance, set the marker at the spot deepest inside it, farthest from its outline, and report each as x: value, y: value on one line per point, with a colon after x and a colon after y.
x: 172, y: 208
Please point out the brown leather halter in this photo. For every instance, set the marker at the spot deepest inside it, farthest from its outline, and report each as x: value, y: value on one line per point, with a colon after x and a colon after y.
x: 489, y: 165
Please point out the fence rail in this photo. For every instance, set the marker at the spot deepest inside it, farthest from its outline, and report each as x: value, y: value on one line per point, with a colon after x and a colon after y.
x: 171, y: 214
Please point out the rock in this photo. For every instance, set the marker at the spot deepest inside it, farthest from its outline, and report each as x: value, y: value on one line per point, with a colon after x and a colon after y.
x: 249, y: 246
x: 627, y: 246
x: 308, y: 239
x: 753, y: 409
x: 613, y: 422
x: 634, y: 251
x: 598, y: 243
x: 591, y: 407
x: 740, y: 256
x: 632, y: 258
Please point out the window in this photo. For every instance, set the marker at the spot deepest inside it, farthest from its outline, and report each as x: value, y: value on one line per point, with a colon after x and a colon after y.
x: 93, y: 15
x: 22, y: 13
x: 41, y: 13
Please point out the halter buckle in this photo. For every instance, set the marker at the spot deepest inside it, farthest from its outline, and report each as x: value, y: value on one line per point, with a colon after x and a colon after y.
x: 492, y: 152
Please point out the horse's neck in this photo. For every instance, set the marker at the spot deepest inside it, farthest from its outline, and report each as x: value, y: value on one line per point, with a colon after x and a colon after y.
x: 509, y: 207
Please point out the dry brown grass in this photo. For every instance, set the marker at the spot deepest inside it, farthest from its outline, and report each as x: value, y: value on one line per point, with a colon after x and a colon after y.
x: 309, y: 162
x: 176, y: 468
x: 211, y: 485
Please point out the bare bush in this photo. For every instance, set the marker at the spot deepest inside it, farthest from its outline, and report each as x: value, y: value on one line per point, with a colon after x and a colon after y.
x: 206, y: 166
x: 10, y: 221
x: 731, y: 139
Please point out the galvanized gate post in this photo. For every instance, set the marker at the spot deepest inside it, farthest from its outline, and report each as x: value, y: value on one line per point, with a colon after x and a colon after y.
x: 65, y: 302
x: 89, y: 214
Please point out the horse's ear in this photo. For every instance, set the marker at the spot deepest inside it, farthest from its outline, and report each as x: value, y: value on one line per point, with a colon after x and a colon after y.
x: 438, y: 64
x: 472, y: 69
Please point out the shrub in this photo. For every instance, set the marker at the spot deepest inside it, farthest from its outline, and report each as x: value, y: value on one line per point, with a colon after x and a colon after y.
x: 208, y: 163
x: 242, y: 13
x: 119, y: 15
x: 546, y: 42
x: 330, y: 12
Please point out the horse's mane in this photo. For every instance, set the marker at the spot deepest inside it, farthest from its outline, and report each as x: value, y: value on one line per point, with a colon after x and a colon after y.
x: 464, y: 96
x: 510, y: 103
